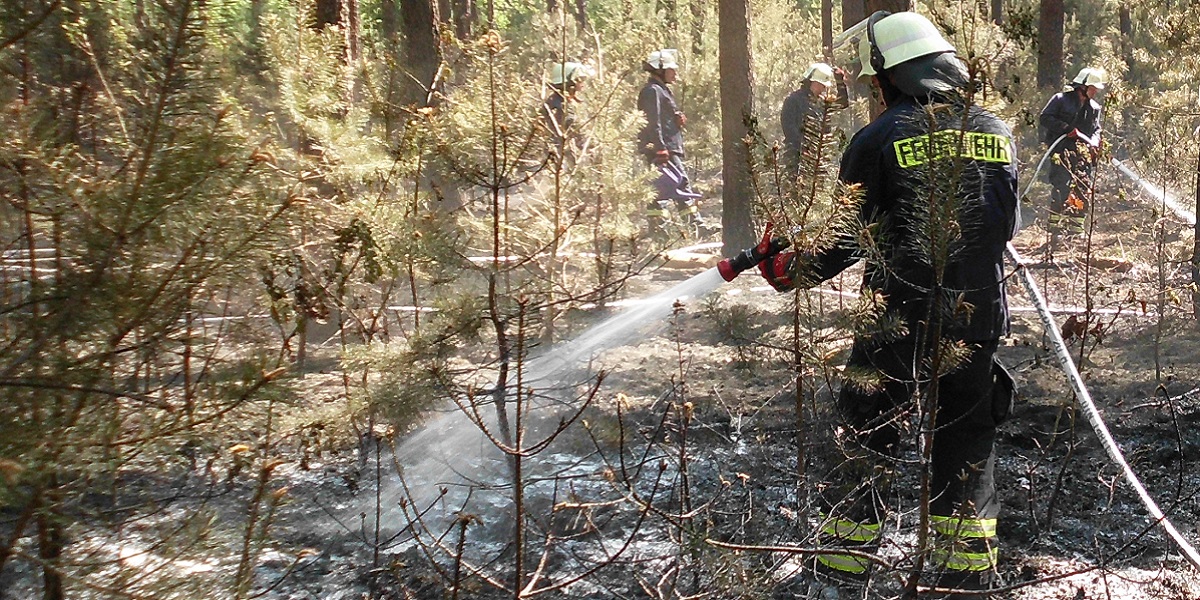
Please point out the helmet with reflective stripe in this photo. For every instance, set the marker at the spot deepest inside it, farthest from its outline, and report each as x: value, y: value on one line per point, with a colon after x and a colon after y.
x: 562, y: 73
x: 666, y: 58
x: 1093, y: 77
x: 900, y: 37
x: 820, y: 73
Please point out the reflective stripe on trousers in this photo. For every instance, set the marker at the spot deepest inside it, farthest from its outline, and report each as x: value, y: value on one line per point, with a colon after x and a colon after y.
x: 849, y: 534
x: 964, y: 544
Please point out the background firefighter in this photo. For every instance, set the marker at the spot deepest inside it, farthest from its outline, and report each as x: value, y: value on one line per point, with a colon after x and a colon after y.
x: 1075, y: 114
x: 898, y: 161
x: 566, y: 81
x: 661, y: 143
x: 807, y: 105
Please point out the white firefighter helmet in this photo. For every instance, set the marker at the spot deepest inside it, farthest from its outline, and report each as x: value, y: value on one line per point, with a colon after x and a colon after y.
x: 667, y: 58
x: 1093, y: 77
x: 820, y: 73
x: 892, y: 39
x: 562, y: 73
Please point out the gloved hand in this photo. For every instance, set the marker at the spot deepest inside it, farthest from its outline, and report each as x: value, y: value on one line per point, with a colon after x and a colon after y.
x: 680, y: 119
x: 777, y: 270
x: 661, y: 157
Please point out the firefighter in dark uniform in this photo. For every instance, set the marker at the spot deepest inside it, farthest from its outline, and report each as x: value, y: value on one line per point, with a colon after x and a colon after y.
x: 807, y: 105
x: 897, y: 159
x: 1071, y: 124
x: 566, y: 81
x: 661, y: 143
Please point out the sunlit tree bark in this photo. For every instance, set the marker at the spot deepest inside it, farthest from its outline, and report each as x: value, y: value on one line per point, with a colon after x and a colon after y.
x: 420, y: 47
x: 737, y: 102
x: 1050, y: 44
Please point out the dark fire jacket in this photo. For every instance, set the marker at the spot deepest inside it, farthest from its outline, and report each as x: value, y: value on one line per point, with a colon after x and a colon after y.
x: 900, y: 166
x: 663, y: 130
x: 1066, y: 111
x: 801, y: 105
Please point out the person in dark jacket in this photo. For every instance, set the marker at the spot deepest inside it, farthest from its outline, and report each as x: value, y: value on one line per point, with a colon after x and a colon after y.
x: 933, y: 171
x: 566, y: 81
x: 661, y: 143
x: 806, y: 106
x: 1070, y: 126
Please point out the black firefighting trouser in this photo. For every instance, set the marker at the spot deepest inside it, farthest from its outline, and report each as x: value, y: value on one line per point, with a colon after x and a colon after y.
x: 1070, y: 177
x: 972, y: 400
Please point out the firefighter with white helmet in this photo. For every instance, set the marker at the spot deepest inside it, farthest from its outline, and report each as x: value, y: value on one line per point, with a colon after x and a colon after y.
x: 808, y: 104
x: 661, y: 143
x: 1070, y: 126
x: 566, y: 82
x: 930, y: 149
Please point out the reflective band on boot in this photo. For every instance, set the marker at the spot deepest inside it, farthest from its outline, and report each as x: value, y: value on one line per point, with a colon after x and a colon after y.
x: 964, y: 544
x: 956, y: 527
x: 850, y: 531
x: 850, y: 534
x: 1066, y: 223
x: 844, y: 563
x: 958, y: 559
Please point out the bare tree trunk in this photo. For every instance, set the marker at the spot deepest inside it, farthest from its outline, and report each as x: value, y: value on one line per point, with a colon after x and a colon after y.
x: 1196, y: 249
x: 51, y: 542
x: 581, y: 14
x: 670, y: 10
x: 827, y: 29
x: 326, y: 13
x: 389, y: 22
x: 1125, y: 19
x: 464, y: 18
x: 420, y: 47
x: 351, y: 19
x: 1050, y: 44
x: 894, y: 6
x: 737, y: 103
x: 998, y: 12
x: 853, y: 11
x: 699, y: 9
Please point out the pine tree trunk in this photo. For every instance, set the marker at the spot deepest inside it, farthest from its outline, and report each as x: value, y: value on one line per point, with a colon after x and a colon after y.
x: 350, y: 17
x: 998, y: 12
x: 581, y: 14
x: 326, y: 13
x: 464, y: 18
x: 853, y: 11
x: 699, y: 9
x: 827, y: 29
x: 1050, y: 44
x: 1125, y: 18
x: 737, y: 101
x: 1196, y: 250
x: 670, y: 10
x: 893, y: 6
x: 389, y: 22
x: 420, y: 47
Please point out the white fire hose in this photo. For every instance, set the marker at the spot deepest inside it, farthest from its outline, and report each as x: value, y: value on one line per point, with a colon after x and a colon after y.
x: 1089, y: 407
